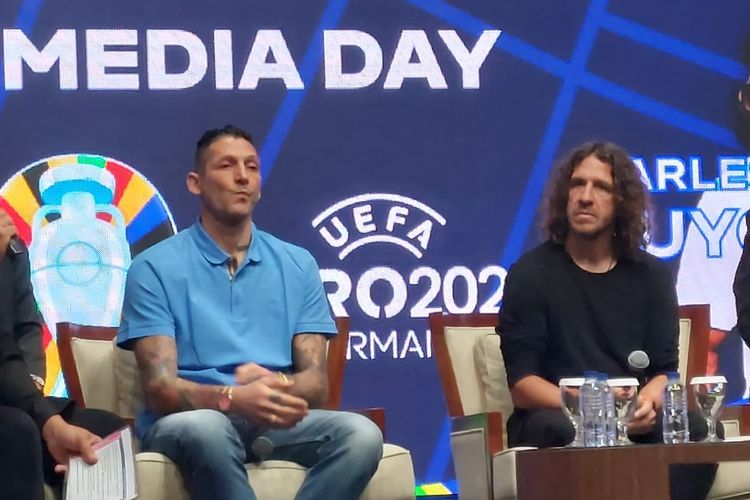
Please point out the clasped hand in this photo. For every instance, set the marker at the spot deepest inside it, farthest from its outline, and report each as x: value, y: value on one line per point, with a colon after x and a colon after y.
x: 644, y: 417
x: 264, y: 397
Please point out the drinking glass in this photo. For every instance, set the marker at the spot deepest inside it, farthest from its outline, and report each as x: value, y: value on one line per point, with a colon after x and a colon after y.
x: 624, y: 391
x: 569, y: 389
x: 709, y: 394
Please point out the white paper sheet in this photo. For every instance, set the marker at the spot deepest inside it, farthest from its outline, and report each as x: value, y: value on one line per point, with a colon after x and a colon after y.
x: 113, y: 475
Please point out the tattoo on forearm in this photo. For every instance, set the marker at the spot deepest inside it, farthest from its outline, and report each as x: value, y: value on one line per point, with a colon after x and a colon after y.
x: 309, y: 352
x: 157, y: 361
x: 311, y: 373
x: 186, y: 398
x: 164, y: 391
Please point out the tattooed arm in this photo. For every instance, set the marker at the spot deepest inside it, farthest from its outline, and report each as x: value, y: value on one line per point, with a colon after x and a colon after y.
x: 267, y: 400
x: 165, y: 392
x: 311, y: 373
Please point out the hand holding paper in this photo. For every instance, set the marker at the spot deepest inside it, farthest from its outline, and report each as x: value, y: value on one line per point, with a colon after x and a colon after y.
x: 112, y: 476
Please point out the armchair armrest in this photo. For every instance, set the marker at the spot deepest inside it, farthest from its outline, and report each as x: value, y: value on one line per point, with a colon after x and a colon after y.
x: 474, y: 440
x: 744, y: 418
x: 735, y: 420
x: 490, y: 423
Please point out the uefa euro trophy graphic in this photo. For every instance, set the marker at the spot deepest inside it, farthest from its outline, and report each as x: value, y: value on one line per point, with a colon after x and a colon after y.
x: 78, y: 260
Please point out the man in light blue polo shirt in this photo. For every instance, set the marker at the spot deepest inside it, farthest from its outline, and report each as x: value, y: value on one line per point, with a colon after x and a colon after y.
x: 229, y: 327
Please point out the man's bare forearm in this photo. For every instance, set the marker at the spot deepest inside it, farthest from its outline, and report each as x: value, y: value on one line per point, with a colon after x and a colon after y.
x: 534, y: 392
x: 311, y: 372
x: 164, y: 391
x: 309, y: 387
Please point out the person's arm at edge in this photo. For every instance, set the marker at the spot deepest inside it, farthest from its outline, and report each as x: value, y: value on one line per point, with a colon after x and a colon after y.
x: 741, y: 288
x: 16, y: 387
x: 28, y: 325
x: 17, y: 390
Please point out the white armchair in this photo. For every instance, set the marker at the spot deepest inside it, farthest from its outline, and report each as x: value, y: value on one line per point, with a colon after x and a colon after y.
x: 99, y: 374
x: 472, y: 373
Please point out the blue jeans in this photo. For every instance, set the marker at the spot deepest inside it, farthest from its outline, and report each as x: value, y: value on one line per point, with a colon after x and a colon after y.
x: 342, y: 451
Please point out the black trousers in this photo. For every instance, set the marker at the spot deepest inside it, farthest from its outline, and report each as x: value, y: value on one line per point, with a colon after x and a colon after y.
x: 25, y: 462
x: 550, y: 427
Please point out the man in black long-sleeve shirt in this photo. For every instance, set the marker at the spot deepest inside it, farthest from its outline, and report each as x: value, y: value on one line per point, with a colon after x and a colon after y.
x: 741, y: 287
x: 34, y: 436
x: 560, y: 320
x: 587, y: 298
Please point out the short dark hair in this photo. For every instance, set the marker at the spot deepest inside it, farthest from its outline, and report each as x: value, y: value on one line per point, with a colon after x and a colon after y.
x: 211, y: 136
x: 632, y: 202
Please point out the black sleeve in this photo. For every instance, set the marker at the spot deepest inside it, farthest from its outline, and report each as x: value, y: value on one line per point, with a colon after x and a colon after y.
x: 661, y: 343
x: 16, y: 387
x: 27, y: 323
x: 741, y: 288
x: 522, y: 325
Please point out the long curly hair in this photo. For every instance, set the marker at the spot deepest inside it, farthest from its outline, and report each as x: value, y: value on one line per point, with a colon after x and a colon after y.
x: 632, y: 202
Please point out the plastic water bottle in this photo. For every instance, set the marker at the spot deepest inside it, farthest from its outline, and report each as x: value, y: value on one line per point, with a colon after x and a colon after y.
x: 610, y: 417
x: 592, y: 411
x: 674, y: 409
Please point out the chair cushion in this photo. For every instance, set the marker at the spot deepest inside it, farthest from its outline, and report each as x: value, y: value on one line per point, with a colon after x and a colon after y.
x: 127, y: 382
x: 394, y: 479
x: 491, y: 368
x: 93, y: 359
x: 159, y: 479
x: 50, y: 493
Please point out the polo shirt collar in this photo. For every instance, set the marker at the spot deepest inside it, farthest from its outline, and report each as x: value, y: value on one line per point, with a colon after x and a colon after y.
x: 253, y: 253
x: 213, y: 253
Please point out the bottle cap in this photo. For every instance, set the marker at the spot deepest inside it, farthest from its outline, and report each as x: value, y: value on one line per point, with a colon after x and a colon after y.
x: 571, y: 381
x: 623, y: 382
x: 709, y: 379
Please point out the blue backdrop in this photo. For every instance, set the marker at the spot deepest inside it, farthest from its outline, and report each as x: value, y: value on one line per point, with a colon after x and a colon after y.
x: 411, y: 170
